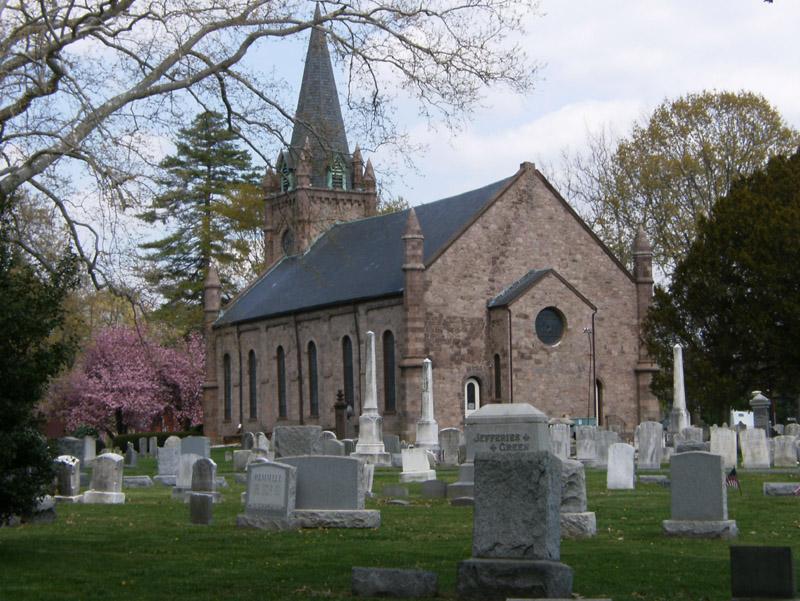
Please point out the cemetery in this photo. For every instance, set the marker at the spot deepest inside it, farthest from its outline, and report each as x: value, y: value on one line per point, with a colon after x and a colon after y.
x: 322, y: 386
x: 293, y: 520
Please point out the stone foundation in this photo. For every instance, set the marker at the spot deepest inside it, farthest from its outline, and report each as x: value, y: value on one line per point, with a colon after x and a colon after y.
x: 499, y: 579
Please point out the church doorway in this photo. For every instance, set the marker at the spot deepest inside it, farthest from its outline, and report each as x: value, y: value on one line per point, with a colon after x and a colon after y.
x: 472, y: 396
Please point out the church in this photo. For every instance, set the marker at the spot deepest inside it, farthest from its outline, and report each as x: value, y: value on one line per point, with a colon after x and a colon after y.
x: 505, y: 288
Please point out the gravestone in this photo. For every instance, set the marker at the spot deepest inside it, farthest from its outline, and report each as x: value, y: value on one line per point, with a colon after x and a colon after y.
x: 755, y: 453
x: 792, y: 429
x: 723, y: 442
x: 240, y: 460
x: 394, y: 490
x: 561, y: 440
x: 270, y: 496
x: 576, y: 521
x: 427, y: 436
x: 692, y: 433
x: 290, y: 441
x: 349, y: 445
x: 153, y: 446
x: 367, y: 477
x: 173, y: 442
x: 143, y: 446
x: 391, y: 582
x: 201, y: 508
x: 262, y: 442
x: 204, y: 479
x: 68, y: 479
x: 650, y: 435
x: 760, y: 406
x: 507, y: 428
x: 69, y: 445
x: 433, y: 489
x: 785, y: 451
x: 762, y: 573
x: 416, y: 467
x: 586, y: 443
x: 698, y: 498
x: 679, y: 416
x: 449, y: 440
x: 248, y: 441
x: 331, y: 446
x: 781, y: 489
x: 196, y: 445
x: 89, y: 451
x: 516, y: 543
x: 465, y: 485
x: 620, y: 474
x: 168, y: 460
x: 131, y: 456
x: 106, y: 486
x: 604, y: 439
x: 330, y: 493
x: 183, y: 482
x: 391, y: 443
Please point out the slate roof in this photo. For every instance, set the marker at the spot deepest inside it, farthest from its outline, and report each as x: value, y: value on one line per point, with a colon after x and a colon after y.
x: 517, y: 289
x: 528, y: 281
x: 355, y: 261
x: 319, y: 116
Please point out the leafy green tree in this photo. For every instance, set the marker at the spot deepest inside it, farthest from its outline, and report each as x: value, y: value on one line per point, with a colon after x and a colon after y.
x: 32, y: 349
x: 668, y: 172
x: 734, y: 299
x: 195, y: 205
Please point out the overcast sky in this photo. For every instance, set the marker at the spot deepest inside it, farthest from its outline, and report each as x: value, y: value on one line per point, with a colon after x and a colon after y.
x: 607, y: 63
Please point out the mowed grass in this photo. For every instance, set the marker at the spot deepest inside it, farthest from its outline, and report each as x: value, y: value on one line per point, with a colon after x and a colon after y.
x: 146, y: 549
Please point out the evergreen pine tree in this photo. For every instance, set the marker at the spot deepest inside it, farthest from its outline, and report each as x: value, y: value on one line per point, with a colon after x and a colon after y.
x: 198, y: 190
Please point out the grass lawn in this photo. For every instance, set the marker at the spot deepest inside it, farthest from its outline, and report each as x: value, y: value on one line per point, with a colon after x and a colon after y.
x: 146, y: 548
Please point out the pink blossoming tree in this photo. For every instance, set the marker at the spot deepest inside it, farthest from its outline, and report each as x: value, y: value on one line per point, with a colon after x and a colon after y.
x: 126, y: 381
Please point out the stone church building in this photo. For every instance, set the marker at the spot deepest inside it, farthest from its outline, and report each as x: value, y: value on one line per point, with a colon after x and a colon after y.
x: 505, y: 288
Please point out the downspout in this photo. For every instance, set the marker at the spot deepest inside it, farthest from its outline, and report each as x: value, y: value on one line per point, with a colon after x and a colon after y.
x: 358, y: 346
x: 299, y: 366
x: 241, y: 384
x: 510, y: 361
x: 594, y: 370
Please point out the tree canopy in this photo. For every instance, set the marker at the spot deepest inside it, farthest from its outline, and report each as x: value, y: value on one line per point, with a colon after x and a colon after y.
x: 33, y: 348
x: 89, y: 89
x: 127, y: 380
x: 734, y: 299
x: 203, y: 204
x: 671, y: 168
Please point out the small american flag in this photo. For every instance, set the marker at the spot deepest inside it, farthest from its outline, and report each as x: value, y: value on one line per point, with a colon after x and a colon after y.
x: 797, y: 491
x: 731, y: 481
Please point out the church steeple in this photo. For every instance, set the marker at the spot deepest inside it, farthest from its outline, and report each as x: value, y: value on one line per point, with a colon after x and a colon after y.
x: 317, y: 183
x: 318, y: 117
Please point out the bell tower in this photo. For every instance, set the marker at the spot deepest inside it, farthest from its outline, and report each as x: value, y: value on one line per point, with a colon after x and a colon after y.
x: 317, y: 181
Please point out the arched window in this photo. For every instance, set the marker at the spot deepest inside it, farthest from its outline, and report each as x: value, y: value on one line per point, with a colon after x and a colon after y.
x: 336, y: 175
x: 347, y: 372
x: 498, y: 380
x: 472, y: 396
x: 281, y: 365
x: 253, y: 381
x: 286, y: 175
x: 227, y: 386
x: 313, y: 387
x: 389, y: 394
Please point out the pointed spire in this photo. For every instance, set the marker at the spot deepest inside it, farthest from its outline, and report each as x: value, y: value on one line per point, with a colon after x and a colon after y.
x: 369, y: 177
x: 212, y: 299
x: 318, y: 116
x: 641, y: 243
x: 412, y: 225
x: 358, y: 168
